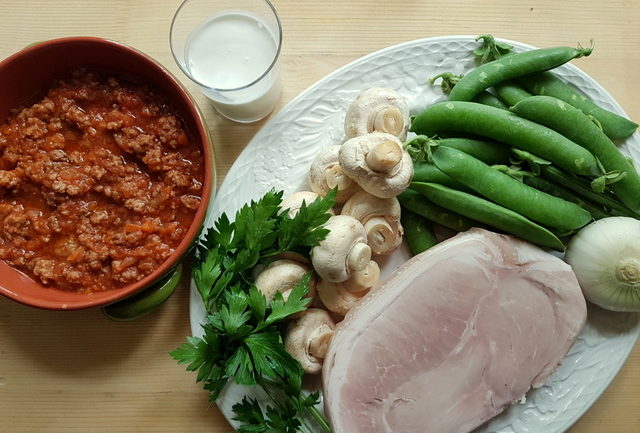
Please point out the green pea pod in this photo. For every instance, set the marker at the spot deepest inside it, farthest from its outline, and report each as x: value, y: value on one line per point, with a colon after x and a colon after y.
x: 486, y: 98
x: 489, y: 213
x: 427, y: 172
x: 449, y: 80
x: 544, y: 185
x: 584, y: 189
x: 515, y: 65
x: 145, y: 301
x: 547, y: 84
x: 419, y: 204
x: 509, y: 128
x: 488, y: 152
x: 578, y: 127
x: 510, y: 92
x: 501, y: 188
x: 417, y: 232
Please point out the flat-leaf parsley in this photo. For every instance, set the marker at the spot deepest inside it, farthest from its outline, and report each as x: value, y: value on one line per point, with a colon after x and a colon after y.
x: 243, y: 333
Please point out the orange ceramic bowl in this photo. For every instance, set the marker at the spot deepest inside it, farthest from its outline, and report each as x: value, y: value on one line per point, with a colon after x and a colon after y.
x: 25, y: 78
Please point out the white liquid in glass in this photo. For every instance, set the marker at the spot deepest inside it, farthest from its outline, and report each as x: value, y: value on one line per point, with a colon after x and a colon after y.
x: 229, y: 51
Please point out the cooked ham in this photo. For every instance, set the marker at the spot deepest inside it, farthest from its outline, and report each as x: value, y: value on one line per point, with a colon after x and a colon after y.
x: 452, y: 338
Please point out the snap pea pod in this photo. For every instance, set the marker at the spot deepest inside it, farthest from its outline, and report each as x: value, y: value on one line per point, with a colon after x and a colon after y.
x: 510, y: 92
x: 547, y: 84
x: 576, y: 126
x: 427, y: 172
x: 489, y: 213
x: 488, y: 152
x: 506, y: 127
x: 417, y: 232
x: 544, y: 185
x: 449, y: 80
x: 419, y: 204
x: 486, y: 98
x: 584, y: 189
x: 501, y: 188
x: 515, y: 65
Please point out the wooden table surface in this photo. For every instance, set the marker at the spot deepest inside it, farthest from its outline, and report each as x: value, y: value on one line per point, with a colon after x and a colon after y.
x: 67, y: 372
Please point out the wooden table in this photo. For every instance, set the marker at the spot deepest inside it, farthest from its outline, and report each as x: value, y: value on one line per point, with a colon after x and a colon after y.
x: 79, y: 372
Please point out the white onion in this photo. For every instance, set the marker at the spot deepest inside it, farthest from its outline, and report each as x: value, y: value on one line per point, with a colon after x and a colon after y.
x: 605, y: 256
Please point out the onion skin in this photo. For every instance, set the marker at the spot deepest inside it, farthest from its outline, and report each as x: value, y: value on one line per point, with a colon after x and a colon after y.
x: 605, y: 256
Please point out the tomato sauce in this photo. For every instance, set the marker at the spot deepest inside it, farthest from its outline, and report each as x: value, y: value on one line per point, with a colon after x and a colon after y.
x: 99, y: 182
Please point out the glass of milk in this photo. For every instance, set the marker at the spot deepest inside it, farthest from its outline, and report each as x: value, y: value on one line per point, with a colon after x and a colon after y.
x: 231, y: 49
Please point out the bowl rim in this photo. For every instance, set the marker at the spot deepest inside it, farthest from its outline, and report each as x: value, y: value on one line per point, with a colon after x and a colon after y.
x: 106, y: 297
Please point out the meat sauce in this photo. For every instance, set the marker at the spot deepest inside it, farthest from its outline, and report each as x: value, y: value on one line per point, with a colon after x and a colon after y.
x: 99, y: 182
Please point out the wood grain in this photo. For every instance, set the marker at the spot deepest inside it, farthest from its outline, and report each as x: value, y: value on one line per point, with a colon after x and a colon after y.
x: 79, y: 372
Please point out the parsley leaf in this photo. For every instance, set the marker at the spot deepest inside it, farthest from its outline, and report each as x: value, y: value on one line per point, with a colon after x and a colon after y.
x: 242, y: 337
x: 249, y: 412
x: 296, y: 302
x: 208, y: 271
x: 257, y: 304
x: 240, y: 367
x: 276, y: 421
x: 305, y: 229
x: 270, y: 358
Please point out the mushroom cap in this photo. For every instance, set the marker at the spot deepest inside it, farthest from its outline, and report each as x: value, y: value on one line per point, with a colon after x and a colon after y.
x: 361, y: 281
x: 281, y: 276
x: 326, y: 173
x: 296, y: 257
x: 353, y: 160
x: 294, y: 201
x: 343, y: 251
x: 361, y: 115
x: 336, y: 298
x: 381, y: 220
x: 307, y: 339
x: 339, y: 298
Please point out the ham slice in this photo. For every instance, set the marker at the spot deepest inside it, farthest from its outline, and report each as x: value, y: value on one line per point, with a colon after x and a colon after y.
x: 452, y: 338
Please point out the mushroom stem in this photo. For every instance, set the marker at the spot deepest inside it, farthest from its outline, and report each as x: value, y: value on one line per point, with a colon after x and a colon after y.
x: 384, y: 156
x: 389, y: 120
x: 380, y: 235
x: 334, y: 176
x: 359, y: 257
x: 319, y: 343
x: 363, y: 280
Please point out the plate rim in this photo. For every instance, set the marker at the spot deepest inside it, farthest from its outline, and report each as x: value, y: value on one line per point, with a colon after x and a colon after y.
x: 194, y: 296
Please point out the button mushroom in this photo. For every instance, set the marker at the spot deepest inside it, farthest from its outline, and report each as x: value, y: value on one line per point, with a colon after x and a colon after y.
x: 377, y: 109
x: 282, y: 276
x: 294, y: 201
x: 307, y: 339
x: 326, y: 174
x: 343, y: 251
x: 341, y: 297
x: 378, y: 163
x: 381, y: 220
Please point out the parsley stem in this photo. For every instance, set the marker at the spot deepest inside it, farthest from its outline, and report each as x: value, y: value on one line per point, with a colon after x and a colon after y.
x: 312, y: 410
x: 265, y: 388
x: 273, y: 399
x: 306, y: 426
x: 315, y: 413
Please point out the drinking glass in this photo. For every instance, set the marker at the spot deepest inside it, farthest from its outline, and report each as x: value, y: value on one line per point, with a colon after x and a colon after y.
x: 231, y: 49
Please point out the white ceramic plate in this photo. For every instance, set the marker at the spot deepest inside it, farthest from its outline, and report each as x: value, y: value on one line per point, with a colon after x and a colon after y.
x: 279, y: 157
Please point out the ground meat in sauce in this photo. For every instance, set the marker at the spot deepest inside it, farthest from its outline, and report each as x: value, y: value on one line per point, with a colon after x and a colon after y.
x: 99, y: 182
